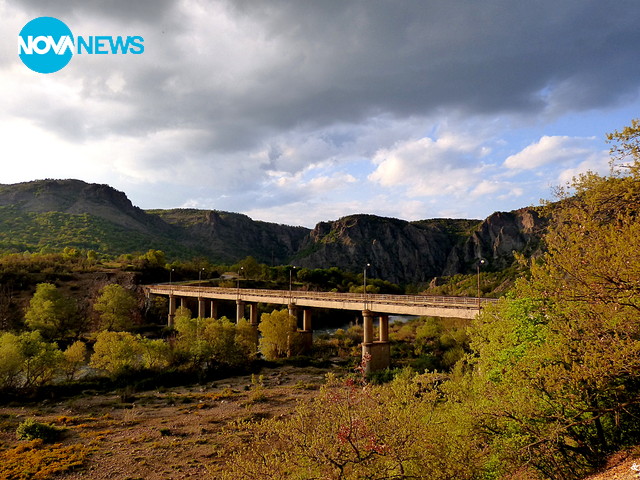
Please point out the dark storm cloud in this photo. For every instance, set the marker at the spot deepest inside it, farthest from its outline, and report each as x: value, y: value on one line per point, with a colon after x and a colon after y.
x: 337, y: 61
x: 147, y: 11
x: 482, y: 57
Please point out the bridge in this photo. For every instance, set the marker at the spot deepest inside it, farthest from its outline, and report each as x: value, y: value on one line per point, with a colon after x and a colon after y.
x: 371, y: 305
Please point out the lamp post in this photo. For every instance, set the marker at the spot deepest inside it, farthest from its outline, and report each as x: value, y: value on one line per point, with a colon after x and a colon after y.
x: 481, y: 261
x: 365, y: 284
x: 171, y: 280
x: 200, y: 276
x: 238, y: 281
x: 291, y: 284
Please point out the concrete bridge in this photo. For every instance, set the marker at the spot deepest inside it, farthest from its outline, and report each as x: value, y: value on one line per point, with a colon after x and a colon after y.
x: 371, y: 305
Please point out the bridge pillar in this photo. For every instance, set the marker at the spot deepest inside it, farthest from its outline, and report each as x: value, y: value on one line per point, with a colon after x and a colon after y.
x: 253, y: 314
x: 367, y: 324
x: 306, y: 320
x: 378, y: 353
x: 201, y: 308
x: 384, y: 328
x: 239, y: 310
x: 214, y: 309
x: 306, y: 334
x: 172, y: 311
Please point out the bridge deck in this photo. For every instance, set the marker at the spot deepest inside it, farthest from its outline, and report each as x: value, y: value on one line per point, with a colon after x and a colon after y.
x: 457, y: 307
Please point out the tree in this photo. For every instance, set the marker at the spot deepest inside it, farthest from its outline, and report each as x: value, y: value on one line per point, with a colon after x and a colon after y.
x: 40, y: 360
x: 50, y: 313
x: 206, y: 342
x: 117, y: 352
x: 11, y: 360
x: 279, y: 334
x: 566, y: 344
x: 75, y: 356
x: 116, y: 306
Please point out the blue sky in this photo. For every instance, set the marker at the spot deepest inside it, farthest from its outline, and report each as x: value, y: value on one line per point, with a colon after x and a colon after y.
x: 300, y: 111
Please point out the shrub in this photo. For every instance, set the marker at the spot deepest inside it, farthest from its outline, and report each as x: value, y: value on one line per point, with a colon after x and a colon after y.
x: 30, y: 429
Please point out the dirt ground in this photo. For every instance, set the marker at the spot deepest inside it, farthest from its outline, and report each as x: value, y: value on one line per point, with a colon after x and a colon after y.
x: 173, y: 433
x: 185, y: 432
x: 622, y: 466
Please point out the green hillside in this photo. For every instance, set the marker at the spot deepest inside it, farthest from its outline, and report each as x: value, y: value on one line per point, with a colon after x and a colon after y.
x: 22, y: 231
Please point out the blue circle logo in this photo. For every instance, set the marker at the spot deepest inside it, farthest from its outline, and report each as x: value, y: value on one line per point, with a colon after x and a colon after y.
x: 45, y: 45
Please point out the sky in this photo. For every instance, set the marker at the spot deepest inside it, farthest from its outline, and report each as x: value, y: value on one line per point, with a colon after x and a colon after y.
x: 301, y: 111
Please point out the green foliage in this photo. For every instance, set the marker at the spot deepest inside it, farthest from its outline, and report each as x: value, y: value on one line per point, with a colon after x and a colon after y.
x: 566, y: 344
x: 75, y: 356
x: 352, y: 431
x: 279, y: 334
x: 338, y: 280
x: 117, y: 352
x: 11, y: 360
x: 30, y: 429
x: 208, y: 342
x: 116, y: 307
x: 22, y: 231
x: 27, y: 362
x: 40, y: 360
x: 50, y: 313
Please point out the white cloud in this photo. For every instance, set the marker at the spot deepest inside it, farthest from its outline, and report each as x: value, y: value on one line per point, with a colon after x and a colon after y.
x: 551, y: 150
x: 426, y: 167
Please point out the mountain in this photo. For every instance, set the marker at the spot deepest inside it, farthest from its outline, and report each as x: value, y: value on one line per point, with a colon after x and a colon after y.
x: 59, y: 213
x: 233, y: 236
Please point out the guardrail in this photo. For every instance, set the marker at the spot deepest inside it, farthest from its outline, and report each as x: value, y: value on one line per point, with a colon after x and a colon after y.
x: 286, y: 296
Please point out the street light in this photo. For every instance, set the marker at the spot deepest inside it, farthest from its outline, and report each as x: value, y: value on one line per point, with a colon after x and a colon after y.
x: 365, y: 284
x: 290, y: 284
x: 238, y: 281
x: 171, y: 280
x: 481, y: 261
x: 200, y: 276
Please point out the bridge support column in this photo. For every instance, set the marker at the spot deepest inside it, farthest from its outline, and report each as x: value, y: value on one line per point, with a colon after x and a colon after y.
x: 367, y: 324
x: 239, y: 310
x: 384, y: 328
x: 378, y: 353
x: 253, y: 314
x: 214, y: 309
x: 172, y: 311
x: 306, y: 320
x: 306, y: 334
x: 201, y: 308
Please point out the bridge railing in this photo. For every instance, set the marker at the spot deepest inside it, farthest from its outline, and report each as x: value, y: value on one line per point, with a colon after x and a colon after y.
x: 283, y: 296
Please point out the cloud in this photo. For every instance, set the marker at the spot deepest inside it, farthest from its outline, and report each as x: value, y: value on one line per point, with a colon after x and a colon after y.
x: 259, y: 106
x: 554, y: 150
x: 428, y: 167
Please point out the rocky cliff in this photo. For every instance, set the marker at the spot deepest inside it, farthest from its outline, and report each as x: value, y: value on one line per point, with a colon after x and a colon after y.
x: 99, y: 217
x: 495, y: 240
x: 228, y: 236
x: 401, y: 251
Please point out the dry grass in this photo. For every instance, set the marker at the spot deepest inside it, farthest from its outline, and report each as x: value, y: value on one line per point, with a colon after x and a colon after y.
x: 171, y: 434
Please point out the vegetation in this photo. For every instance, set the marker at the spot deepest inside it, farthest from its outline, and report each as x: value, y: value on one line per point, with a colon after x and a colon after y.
x: 116, y: 306
x: 35, y: 461
x: 32, y: 430
x: 279, y: 334
x: 51, y: 313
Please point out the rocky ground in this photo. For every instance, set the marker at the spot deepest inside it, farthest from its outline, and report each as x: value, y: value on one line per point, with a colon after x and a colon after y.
x: 177, y: 433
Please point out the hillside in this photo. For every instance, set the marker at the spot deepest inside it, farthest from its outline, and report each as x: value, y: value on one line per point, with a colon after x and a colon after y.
x: 53, y: 214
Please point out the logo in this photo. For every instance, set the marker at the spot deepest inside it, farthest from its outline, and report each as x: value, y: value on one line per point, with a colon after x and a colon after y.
x: 46, y: 45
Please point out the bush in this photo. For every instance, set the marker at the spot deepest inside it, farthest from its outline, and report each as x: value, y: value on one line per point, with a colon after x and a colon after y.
x: 33, y: 430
